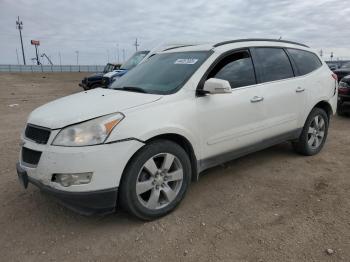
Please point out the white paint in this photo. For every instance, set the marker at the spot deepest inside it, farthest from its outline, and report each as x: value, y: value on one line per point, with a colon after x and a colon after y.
x: 213, y: 124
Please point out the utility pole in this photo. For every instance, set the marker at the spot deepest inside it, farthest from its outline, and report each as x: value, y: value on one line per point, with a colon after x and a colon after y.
x: 19, y: 26
x: 118, y: 54
x: 59, y: 54
x: 321, y: 53
x: 17, y: 56
x: 136, y: 44
x: 77, y: 52
x: 107, y: 56
x: 37, y: 55
x: 123, y: 55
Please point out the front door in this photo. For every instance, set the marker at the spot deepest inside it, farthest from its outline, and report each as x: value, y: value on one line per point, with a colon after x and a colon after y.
x: 233, y: 121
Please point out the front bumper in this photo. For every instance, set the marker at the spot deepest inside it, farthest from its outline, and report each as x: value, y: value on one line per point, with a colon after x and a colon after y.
x: 106, y: 162
x: 86, y: 203
x: 84, y: 86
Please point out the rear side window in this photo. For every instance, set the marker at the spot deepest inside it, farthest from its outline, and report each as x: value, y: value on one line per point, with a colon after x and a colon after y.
x: 272, y: 63
x: 236, y: 68
x: 305, y: 61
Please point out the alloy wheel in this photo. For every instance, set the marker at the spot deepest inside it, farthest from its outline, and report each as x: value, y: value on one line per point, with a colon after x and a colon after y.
x: 316, y: 132
x: 159, y: 181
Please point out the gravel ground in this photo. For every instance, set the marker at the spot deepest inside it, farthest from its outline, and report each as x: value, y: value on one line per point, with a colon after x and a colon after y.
x: 273, y: 205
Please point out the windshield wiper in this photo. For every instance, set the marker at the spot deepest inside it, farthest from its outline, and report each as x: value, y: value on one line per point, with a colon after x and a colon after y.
x: 132, y: 89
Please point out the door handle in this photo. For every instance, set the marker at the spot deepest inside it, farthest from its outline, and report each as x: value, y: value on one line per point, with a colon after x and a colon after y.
x: 256, y: 99
x: 299, y: 89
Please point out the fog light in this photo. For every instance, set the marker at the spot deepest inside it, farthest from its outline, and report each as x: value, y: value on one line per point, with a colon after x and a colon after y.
x: 72, y: 179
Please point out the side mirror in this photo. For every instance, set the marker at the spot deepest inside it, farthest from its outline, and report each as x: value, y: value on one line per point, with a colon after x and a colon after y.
x: 217, y: 86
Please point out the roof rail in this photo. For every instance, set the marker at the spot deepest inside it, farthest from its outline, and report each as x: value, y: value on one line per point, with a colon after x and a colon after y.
x: 257, y: 39
x: 174, y: 47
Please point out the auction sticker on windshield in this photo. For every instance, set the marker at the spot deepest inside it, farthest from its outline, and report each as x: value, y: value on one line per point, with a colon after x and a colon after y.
x: 186, y: 61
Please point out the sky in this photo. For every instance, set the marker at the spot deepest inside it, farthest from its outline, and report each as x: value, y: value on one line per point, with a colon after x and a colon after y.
x: 98, y: 29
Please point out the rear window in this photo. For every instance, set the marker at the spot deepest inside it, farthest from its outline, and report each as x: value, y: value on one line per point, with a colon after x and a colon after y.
x: 305, y: 61
x: 273, y: 64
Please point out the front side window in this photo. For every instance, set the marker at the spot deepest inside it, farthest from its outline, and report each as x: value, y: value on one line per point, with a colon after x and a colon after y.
x: 237, y: 69
x: 305, y: 61
x: 273, y: 64
x: 163, y: 73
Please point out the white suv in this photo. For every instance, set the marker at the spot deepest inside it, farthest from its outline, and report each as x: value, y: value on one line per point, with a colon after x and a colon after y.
x: 139, y: 144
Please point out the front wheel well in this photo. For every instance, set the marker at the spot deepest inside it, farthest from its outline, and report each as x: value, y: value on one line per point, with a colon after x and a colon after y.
x: 186, y: 145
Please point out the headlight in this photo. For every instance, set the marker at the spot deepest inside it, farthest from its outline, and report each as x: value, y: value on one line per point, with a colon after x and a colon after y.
x: 91, y: 132
x: 343, y: 85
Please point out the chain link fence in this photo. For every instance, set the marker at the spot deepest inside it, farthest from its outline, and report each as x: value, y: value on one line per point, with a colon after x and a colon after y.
x: 51, y: 68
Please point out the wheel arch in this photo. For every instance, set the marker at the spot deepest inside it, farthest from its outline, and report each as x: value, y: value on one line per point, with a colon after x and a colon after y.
x: 326, y: 107
x: 181, y: 141
x: 185, y: 144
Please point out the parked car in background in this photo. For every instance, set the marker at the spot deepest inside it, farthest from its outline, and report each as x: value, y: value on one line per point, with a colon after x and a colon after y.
x: 139, y: 144
x: 344, y: 70
x: 138, y: 58
x: 332, y: 66
x: 344, y: 96
x: 95, y: 80
x: 133, y: 61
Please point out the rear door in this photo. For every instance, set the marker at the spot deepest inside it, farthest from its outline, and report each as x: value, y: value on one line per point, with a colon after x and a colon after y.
x: 314, y: 81
x: 284, y: 97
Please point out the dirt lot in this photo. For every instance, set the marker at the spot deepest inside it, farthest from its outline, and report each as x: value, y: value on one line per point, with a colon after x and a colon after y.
x: 269, y: 206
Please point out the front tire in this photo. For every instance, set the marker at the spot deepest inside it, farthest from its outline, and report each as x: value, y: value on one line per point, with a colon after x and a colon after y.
x: 155, y: 180
x: 314, y: 133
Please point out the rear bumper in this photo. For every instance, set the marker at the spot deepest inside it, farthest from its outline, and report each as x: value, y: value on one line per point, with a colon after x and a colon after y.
x: 343, y: 98
x: 85, y: 203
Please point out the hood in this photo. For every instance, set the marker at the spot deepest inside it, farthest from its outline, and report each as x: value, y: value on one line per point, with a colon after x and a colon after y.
x: 346, y: 79
x: 97, y: 75
x: 115, y: 73
x: 87, y: 105
x: 342, y: 70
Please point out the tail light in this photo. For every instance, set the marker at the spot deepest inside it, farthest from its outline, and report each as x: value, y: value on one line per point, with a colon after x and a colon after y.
x: 335, y: 77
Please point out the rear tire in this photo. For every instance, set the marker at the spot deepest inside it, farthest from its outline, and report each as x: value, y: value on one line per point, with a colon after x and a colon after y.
x: 314, y: 133
x: 155, y: 180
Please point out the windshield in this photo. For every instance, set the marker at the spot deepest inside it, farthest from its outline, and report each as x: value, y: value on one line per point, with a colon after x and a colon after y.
x: 108, y: 68
x: 163, y: 73
x: 346, y: 65
x: 134, y: 60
